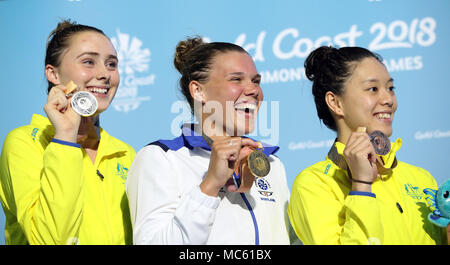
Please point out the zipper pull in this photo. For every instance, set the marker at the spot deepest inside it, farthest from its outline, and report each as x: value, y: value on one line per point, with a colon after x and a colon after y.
x: 399, y: 207
x: 100, y: 175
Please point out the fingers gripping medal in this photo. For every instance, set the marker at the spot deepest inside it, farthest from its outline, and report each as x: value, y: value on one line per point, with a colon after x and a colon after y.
x: 379, y: 140
x: 83, y: 102
x: 382, y: 146
x: 254, y: 166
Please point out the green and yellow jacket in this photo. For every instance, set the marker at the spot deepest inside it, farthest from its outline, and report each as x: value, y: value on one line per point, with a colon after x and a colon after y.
x: 324, y: 210
x: 52, y: 193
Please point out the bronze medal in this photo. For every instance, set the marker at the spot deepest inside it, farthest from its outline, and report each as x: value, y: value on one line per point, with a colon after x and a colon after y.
x: 380, y: 142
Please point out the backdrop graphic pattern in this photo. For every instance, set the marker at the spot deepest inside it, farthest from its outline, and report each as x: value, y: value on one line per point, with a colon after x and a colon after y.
x: 412, y: 37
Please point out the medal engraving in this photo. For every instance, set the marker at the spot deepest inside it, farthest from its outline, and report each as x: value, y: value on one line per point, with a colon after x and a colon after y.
x: 380, y: 142
x: 258, y: 163
x: 84, y: 103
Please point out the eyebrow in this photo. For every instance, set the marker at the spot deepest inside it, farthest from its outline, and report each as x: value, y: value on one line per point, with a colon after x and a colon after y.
x: 235, y: 73
x: 376, y: 80
x: 242, y: 73
x: 97, y: 54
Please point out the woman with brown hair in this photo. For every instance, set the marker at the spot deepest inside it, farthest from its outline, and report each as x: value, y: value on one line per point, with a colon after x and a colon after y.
x: 195, y: 189
x: 63, y: 176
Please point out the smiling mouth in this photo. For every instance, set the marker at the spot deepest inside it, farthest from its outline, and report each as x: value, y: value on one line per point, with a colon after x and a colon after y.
x: 383, y: 115
x: 98, y: 90
x: 246, y: 107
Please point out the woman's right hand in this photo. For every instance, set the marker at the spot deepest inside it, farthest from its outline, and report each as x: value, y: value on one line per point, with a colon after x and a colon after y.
x: 222, y: 164
x: 60, y: 113
x: 361, y: 160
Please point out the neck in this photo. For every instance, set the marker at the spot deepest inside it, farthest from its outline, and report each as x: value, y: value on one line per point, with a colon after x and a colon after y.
x: 342, y: 136
x: 213, y: 130
x: 343, y: 131
x: 89, y: 134
x: 208, y: 125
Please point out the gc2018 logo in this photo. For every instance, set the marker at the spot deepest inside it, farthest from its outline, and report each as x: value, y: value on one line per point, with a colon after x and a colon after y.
x: 133, y: 62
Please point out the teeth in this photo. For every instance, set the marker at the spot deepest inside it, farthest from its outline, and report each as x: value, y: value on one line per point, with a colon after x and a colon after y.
x: 383, y: 115
x: 245, y: 106
x: 98, y: 90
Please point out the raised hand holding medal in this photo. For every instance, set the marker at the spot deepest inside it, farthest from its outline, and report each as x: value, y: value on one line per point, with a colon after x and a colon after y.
x: 380, y: 143
x: 250, y: 163
x: 65, y: 120
x: 83, y: 102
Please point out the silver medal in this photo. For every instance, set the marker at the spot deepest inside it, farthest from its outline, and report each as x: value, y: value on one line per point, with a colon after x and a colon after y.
x: 84, y: 103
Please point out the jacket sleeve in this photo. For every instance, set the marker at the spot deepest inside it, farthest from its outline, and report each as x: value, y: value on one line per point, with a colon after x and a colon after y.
x: 321, y: 216
x: 161, y: 212
x: 43, y: 188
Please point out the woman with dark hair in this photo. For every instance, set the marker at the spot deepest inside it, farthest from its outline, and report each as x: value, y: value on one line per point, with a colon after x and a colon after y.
x: 360, y: 194
x: 196, y: 189
x: 63, y: 176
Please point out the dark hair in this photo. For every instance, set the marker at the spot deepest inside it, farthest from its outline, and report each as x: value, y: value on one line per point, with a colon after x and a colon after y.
x: 193, y: 59
x: 329, y: 68
x: 58, y: 41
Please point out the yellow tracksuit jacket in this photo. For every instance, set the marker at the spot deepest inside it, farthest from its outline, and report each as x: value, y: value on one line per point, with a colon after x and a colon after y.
x: 324, y: 210
x: 52, y: 193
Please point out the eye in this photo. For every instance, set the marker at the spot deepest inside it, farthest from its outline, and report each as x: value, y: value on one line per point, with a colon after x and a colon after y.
x: 111, y: 64
x: 446, y: 194
x: 373, y: 89
x: 257, y: 81
x: 88, y: 62
x: 392, y: 88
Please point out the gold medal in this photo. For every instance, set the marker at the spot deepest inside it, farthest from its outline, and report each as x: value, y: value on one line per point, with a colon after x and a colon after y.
x: 258, y: 163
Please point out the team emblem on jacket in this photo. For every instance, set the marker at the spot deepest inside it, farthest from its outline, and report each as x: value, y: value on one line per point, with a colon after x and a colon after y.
x: 414, y: 192
x: 122, y: 172
x: 263, y: 187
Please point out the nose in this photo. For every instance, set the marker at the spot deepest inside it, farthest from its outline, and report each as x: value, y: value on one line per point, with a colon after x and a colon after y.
x: 387, y: 97
x: 103, y: 73
x: 252, y: 89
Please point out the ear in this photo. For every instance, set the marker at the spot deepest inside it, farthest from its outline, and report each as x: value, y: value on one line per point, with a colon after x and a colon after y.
x: 334, y: 103
x: 197, y: 91
x: 52, y: 74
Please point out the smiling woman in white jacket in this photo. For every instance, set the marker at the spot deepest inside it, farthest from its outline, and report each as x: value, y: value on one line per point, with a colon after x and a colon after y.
x: 188, y: 190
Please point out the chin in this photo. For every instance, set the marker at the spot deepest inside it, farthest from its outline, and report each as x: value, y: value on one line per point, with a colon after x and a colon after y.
x: 243, y: 125
x: 242, y: 130
x: 386, y: 131
x: 103, y: 105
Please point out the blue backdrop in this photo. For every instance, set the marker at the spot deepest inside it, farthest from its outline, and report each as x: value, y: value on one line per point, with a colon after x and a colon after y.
x: 410, y: 35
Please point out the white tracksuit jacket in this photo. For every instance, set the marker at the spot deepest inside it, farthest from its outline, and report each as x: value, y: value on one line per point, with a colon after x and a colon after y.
x: 167, y: 206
